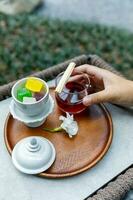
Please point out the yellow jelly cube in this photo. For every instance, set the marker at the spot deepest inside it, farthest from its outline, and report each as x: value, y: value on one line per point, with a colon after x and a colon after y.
x: 34, y: 85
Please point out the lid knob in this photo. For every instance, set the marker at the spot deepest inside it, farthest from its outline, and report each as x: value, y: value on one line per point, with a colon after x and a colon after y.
x: 33, y: 145
x: 33, y: 141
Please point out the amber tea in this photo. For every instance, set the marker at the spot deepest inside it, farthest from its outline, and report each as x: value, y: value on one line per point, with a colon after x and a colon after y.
x: 71, y: 98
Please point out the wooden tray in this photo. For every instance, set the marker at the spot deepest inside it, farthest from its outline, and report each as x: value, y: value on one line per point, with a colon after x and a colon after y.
x: 74, y: 155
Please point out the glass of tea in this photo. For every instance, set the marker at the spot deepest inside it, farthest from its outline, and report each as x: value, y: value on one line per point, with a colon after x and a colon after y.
x: 71, y: 98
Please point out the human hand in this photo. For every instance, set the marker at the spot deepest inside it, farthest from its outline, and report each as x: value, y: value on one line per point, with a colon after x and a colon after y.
x: 109, y: 87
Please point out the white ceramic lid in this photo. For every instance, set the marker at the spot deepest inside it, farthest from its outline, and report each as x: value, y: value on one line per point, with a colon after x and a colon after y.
x: 33, y: 155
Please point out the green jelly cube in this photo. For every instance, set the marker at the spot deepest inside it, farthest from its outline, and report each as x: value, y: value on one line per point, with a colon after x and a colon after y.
x: 23, y: 92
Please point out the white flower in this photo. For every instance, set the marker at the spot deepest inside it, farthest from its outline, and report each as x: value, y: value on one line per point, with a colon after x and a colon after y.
x: 69, y: 125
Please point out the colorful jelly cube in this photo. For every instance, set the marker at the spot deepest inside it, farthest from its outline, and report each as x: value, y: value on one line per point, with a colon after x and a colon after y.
x: 34, y: 85
x: 29, y: 100
x: 23, y: 92
x: 38, y: 95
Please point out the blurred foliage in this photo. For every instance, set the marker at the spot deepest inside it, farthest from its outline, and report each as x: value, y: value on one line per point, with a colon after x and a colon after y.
x: 30, y: 43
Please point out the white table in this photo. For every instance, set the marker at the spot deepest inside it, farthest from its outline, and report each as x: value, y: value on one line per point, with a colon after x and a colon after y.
x: 17, y: 186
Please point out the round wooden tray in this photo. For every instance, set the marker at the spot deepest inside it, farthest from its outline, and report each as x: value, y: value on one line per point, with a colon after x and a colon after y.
x: 74, y: 155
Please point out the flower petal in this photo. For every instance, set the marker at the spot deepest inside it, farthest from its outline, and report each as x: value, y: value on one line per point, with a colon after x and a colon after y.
x: 69, y: 125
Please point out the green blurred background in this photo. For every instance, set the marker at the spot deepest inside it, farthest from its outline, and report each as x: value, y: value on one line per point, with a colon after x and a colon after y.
x: 30, y: 43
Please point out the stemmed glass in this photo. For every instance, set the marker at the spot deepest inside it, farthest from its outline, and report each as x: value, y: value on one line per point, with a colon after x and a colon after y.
x: 71, y: 98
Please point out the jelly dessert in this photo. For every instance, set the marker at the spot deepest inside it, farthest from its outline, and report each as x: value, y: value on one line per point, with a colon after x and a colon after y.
x: 33, y: 90
x: 39, y: 95
x: 29, y: 100
x: 34, y: 85
x: 23, y: 92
